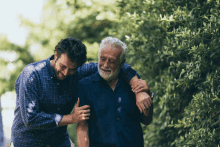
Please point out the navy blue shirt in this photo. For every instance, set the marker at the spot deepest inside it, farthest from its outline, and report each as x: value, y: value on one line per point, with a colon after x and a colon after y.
x: 114, y: 119
x: 42, y: 100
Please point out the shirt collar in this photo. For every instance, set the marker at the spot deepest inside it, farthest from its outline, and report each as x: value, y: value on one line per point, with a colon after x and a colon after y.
x: 97, y: 77
x: 49, y: 67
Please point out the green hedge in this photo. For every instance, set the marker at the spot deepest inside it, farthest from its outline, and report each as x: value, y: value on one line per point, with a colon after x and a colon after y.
x: 175, y: 47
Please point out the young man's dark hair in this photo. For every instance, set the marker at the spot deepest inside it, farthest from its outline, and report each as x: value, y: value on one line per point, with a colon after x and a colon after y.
x: 74, y: 48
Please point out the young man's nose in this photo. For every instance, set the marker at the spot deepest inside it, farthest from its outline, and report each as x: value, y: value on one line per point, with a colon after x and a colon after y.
x: 65, y: 72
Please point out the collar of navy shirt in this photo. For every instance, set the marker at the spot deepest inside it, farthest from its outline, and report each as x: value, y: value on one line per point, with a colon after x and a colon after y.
x: 97, y: 78
x: 49, y: 67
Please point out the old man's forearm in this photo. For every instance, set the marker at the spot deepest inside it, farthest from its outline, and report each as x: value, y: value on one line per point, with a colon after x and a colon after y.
x: 82, y: 134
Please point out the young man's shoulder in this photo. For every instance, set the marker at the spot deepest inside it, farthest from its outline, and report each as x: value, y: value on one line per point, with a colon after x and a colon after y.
x: 35, y: 68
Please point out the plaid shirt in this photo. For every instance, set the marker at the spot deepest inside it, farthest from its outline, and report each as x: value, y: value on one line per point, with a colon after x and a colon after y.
x: 42, y: 100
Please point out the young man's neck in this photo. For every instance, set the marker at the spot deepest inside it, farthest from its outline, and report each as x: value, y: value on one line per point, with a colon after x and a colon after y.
x: 52, y: 63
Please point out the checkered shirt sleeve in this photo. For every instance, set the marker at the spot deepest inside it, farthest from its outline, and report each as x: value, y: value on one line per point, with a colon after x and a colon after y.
x: 31, y: 113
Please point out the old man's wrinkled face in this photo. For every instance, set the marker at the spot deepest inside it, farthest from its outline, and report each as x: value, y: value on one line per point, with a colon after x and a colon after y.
x: 109, y: 62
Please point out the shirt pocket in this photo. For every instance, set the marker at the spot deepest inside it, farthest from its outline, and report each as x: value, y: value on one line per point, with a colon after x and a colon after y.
x: 129, y: 106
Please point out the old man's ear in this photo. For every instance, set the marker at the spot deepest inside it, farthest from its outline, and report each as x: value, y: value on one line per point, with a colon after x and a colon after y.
x: 123, y: 62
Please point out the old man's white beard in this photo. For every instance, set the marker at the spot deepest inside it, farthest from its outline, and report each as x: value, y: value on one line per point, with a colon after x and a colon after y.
x: 108, y: 76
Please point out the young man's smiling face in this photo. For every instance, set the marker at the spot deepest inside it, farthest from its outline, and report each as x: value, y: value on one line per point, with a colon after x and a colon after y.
x: 63, y: 66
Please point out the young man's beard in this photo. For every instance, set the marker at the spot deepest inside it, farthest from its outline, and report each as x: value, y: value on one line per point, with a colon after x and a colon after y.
x: 57, y: 72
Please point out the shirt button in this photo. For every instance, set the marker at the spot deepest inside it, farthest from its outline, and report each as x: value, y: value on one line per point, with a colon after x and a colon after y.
x: 118, y: 119
x: 58, y: 83
x: 119, y: 109
x: 119, y: 100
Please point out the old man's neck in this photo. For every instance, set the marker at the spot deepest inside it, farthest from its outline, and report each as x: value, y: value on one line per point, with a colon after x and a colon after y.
x: 112, y: 83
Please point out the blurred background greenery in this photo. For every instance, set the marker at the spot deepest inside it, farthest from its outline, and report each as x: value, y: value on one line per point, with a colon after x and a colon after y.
x: 173, y: 44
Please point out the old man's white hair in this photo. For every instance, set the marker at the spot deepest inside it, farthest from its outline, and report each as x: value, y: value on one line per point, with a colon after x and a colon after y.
x: 114, y: 42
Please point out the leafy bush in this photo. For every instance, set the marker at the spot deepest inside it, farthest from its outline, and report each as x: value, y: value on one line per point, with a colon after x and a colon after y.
x: 175, y: 46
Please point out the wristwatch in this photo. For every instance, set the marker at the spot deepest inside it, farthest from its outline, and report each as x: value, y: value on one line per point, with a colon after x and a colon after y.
x: 152, y: 96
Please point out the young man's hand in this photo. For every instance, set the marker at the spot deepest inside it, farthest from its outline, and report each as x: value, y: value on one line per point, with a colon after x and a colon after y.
x: 139, y: 85
x: 80, y: 113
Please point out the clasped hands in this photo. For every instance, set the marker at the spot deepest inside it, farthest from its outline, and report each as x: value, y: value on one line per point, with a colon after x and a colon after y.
x: 143, y: 100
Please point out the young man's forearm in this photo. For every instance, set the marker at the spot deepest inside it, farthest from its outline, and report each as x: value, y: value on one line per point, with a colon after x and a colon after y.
x: 76, y: 116
x: 66, y: 120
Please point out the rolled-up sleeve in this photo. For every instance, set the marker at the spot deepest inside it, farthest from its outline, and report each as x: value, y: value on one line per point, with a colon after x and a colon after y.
x: 31, y: 114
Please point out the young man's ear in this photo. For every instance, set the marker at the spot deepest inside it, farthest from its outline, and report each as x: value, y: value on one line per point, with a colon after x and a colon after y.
x: 55, y: 55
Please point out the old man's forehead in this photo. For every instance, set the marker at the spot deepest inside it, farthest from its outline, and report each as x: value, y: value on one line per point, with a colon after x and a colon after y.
x: 113, y: 46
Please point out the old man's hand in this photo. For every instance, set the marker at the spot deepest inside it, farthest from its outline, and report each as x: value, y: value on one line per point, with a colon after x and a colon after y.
x: 143, y: 101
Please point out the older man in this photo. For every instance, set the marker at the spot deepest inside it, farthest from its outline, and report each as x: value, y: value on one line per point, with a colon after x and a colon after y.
x: 114, y: 118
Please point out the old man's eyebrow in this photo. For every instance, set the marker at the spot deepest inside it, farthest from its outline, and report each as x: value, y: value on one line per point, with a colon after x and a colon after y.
x: 112, y: 59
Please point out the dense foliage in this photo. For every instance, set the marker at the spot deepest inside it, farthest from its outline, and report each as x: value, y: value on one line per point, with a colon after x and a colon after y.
x: 175, y: 46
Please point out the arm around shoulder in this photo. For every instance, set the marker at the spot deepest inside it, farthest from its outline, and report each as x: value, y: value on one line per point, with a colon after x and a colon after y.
x: 86, y: 70
x: 128, y: 73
